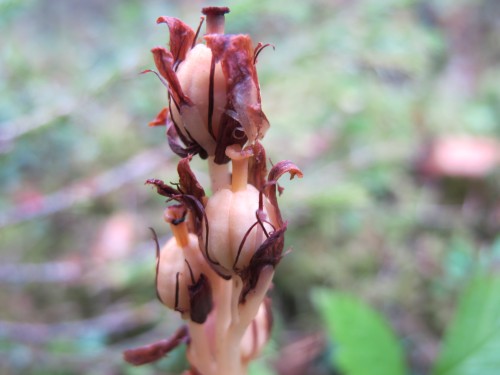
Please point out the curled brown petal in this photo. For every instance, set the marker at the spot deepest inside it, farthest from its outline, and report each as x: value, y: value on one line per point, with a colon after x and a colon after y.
x: 181, y: 37
x: 258, y: 49
x: 160, y: 119
x: 163, y: 189
x: 268, y: 254
x: 174, y: 140
x: 257, y: 169
x: 164, y: 62
x: 157, y: 248
x: 193, y: 204
x: 180, y: 144
x: 230, y: 133
x: 278, y: 170
x: 154, y: 352
x: 243, y: 93
x: 187, y: 179
x: 200, y: 299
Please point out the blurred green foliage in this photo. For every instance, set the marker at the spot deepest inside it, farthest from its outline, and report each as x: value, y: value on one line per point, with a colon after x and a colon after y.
x: 366, y: 343
x: 354, y: 90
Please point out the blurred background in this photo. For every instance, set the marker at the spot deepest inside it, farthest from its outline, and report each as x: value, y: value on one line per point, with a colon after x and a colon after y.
x: 391, y: 108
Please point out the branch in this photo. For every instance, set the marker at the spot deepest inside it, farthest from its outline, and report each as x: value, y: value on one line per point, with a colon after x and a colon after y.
x: 86, y: 189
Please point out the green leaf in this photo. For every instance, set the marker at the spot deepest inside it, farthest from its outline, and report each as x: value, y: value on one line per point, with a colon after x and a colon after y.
x: 365, y: 343
x: 472, y: 343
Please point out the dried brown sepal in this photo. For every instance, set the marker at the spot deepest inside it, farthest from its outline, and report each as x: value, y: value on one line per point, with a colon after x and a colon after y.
x: 192, y: 203
x: 163, y: 189
x: 236, y: 56
x: 278, y: 170
x: 178, y: 143
x: 164, y: 62
x: 284, y: 166
x: 174, y: 140
x: 181, y: 37
x: 257, y: 169
x: 200, y: 299
x: 157, y: 251
x: 188, y: 183
x: 230, y: 133
x: 268, y: 254
x: 160, y: 119
x: 154, y: 352
x: 258, y: 49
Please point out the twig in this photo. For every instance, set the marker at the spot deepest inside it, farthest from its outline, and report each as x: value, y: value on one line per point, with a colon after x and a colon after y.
x: 10, y: 130
x: 86, y: 189
x: 115, y: 321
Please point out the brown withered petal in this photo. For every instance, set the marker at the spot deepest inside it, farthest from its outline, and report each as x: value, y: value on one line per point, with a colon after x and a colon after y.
x: 268, y: 254
x: 236, y: 56
x: 157, y: 250
x: 163, y: 189
x: 179, y: 144
x: 160, y: 119
x: 230, y: 133
x: 187, y: 180
x: 164, y: 62
x: 154, y: 352
x: 194, y: 205
x: 181, y: 37
x: 174, y: 140
x: 284, y: 166
x: 200, y: 299
x: 278, y: 170
x: 257, y: 169
x: 258, y: 49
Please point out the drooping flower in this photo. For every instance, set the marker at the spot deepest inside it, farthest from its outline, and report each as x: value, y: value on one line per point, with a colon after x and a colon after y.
x: 182, y: 274
x: 213, y: 88
x: 244, y: 230
x: 237, y: 217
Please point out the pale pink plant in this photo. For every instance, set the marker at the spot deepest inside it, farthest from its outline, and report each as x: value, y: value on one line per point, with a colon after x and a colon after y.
x: 217, y: 268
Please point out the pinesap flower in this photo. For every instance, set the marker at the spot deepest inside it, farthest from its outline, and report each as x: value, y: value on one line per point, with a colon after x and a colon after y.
x: 235, y: 231
x: 214, y: 93
x: 182, y: 274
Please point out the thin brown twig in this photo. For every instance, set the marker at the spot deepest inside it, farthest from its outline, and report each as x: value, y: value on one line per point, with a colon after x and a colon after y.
x: 86, y: 189
x: 116, y: 320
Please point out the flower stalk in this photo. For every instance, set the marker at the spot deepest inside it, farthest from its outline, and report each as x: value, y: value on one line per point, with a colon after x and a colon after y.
x: 217, y: 268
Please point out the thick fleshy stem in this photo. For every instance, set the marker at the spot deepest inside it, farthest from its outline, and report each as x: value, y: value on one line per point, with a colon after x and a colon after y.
x: 199, y: 353
x: 219, y: 174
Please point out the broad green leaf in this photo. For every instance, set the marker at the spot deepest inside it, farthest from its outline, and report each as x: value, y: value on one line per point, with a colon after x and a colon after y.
x: 472, y: 343
x: 365, y: 343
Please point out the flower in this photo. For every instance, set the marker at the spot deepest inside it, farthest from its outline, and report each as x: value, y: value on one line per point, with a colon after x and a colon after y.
x: 238, y: 219
x: 182, y: 274
x: 214, y: 93
x: 219, y: 265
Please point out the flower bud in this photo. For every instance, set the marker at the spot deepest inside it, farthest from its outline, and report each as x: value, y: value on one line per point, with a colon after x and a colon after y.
x: 200, y: 121
x: 173, y: 275
x: 183, y: 276
x: 214, y: 92
x: 237, y: 226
